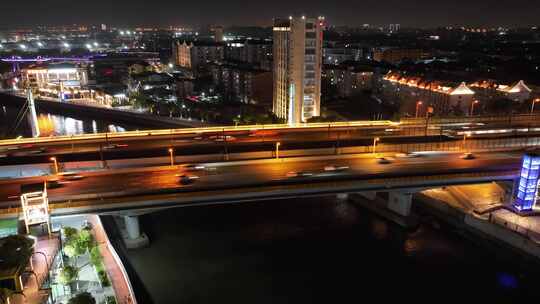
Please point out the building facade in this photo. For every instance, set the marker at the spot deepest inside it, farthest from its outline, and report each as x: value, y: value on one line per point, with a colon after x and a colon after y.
x: 349, y: 80
x: 196, y: 56
x: 297, y: 56
x: 242, y: 83
x: 443, y: 97
x: 489, y: 89
x: 396, y: 55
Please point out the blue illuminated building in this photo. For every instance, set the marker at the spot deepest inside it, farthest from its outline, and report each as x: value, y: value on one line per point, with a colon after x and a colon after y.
x: 527, y: 192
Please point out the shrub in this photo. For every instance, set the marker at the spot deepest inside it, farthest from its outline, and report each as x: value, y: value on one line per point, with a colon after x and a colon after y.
x: 70, y: 233
x: 95, y: 256
x: 103, y: 278
x: 86, y: 238
x: 67, y: 275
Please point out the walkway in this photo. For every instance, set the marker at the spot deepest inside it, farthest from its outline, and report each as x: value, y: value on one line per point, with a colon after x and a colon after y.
x: 117, y: 274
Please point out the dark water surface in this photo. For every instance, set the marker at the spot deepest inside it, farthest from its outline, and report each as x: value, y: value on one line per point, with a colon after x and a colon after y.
x: 320, y: 250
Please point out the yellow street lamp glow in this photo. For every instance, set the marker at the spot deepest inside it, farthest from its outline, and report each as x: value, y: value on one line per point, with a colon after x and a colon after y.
x: 171, y: 153
x: 55, y: 161
x: 277, y: 149
x: 375, y: 141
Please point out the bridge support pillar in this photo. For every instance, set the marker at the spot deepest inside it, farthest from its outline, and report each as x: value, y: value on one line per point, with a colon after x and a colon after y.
x: 133, y: 238
x: 342, y: 196
x: 132, y: 227
x: 400, y: 202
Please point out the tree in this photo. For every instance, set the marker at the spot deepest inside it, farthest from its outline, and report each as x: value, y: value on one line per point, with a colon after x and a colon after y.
x: 67, y: 275
x: 85, y: 238
x: 82, y: 298
x: 75, y: 248
x: 69, y: 233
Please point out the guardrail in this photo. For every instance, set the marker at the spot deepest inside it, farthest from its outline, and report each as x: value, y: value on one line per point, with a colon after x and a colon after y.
x: 184, y: 131
x: 472, y: 119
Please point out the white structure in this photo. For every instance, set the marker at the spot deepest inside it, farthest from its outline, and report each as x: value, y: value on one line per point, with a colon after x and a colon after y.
x: 35, y: 205
x: 297, y: 68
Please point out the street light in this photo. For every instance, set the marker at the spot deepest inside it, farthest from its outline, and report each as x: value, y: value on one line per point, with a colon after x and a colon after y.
x: 53, y: 159
x: 277, y: 149
x: 472, y: 107
x: 418, y: 104
x: 171, y: 153
x: 533, y: 102
x: 375, y: 140
x: 465, y: 136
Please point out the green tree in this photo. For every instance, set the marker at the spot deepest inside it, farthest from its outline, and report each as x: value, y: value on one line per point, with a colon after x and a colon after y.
x: 67, y: 275
x: 82, y: 298
x: 75, y: 248
x: 69, y: 233
x: 500, y: 106
x: 86, y: 239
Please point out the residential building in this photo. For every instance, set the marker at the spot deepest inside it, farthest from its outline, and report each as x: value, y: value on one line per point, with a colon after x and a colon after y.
x: 196, y: 56
x: 297, y: 54
x: 350, y: 79
x: 443, y: 97
x: 242, y: 83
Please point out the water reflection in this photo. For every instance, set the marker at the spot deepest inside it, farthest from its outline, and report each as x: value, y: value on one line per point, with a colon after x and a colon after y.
x: 13, y: 124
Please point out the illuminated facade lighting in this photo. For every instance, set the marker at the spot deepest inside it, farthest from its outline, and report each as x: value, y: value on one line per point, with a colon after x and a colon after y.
x: 527, y: 192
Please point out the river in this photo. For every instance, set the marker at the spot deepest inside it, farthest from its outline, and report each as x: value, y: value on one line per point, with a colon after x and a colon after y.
x: 319, y: 250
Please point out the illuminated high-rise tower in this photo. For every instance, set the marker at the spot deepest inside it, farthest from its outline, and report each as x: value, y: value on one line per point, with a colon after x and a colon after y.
x: 297, y: 68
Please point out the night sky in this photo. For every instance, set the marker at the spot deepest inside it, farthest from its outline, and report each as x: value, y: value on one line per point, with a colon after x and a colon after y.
x: 417, y: 13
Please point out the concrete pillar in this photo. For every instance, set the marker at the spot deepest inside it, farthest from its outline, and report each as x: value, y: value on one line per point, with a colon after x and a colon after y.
x: 132, y: 227
x: 342, y: 196
x: 400, y: 202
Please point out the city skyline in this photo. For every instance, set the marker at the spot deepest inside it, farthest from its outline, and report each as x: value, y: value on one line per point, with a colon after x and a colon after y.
x: 423, y: 13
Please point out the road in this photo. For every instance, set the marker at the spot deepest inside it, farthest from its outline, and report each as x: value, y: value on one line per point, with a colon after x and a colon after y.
x: 131, y: 145
x: 255, y: 174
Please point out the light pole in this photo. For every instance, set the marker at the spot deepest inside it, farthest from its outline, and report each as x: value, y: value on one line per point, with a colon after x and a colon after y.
x: 375, y: 141
x: 533, y: 102
x: 465, y: 135
x: 171, y: 154
x: 472, y: 107
x: 418, y: 104
x: 55, y: 161
x: 277, y: 149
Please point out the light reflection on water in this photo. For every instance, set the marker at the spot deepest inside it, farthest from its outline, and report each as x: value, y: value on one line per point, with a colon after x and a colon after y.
x: 50, y: 124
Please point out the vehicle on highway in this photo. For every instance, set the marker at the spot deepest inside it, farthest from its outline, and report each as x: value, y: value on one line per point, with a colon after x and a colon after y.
x: 115, y: 146
x: 333, y: 168
x: 223, y: 138
x: 69, y: 176
x: 408, y: 155
x: 53, y: 183
x: 38, y: 151
x: 193, y: 167
x: 468, y: 156
x: 384, y: 160
x: 186, y: 179
x: 295, y: 174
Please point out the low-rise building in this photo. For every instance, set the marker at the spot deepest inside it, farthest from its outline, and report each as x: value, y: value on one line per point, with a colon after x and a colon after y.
x: 487, y: 90
x: 444, y: 97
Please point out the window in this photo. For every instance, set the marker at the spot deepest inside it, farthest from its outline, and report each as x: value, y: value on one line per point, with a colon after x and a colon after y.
x: 310, y: 51
x: 309, y: 26
x: 311, y: 35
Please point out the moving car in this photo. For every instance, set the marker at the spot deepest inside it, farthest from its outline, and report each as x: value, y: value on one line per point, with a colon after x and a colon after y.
x: 193, y: 167
x: 408, y: 155
x: 115, y: 146
x: 468, y: 156
x: 383, y: 160
x: 69, y: 176
x: 186, y: 179
x: 333, y: 168
x: 295, y: 174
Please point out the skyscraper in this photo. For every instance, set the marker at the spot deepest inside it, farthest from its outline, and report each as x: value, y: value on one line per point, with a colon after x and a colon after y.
x: 297, y: 68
